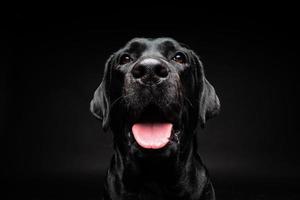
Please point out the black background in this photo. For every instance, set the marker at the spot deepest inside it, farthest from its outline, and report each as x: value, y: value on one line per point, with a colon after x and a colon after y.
x: 53, y: 148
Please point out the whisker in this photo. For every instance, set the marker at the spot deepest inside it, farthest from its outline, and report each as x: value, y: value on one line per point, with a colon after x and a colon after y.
x: 130, y: 94
x: 120, y: 98
x: 115, y: 101
x: 189, y: 101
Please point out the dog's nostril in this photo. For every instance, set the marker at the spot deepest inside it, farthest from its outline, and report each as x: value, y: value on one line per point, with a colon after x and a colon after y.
x: 138, y: 71
x: 150, y: 70
x: 161, y: 71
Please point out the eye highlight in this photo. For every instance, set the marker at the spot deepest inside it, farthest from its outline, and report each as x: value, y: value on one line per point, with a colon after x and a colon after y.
x: 125, y: 58
x: 179, y: 58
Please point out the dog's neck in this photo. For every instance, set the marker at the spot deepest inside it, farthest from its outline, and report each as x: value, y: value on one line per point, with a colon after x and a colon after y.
x: 174, y: 177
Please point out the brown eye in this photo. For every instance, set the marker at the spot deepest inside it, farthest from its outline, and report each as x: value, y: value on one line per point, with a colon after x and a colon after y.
x: 180, y: 58
x: 125, y: 59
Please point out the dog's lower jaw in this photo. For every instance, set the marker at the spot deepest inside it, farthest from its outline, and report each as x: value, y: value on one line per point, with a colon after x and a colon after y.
x: 184, y: 177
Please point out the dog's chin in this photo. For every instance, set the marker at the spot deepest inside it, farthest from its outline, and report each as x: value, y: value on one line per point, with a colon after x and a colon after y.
x: 155, y: 131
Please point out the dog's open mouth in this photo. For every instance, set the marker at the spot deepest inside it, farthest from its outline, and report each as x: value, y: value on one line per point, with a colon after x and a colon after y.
x: 152, y: 135
x: 152, y: 130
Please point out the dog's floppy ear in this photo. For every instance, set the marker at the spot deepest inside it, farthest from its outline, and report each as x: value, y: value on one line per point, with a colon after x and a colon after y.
x: 209, y: 104
x: 99, y: 105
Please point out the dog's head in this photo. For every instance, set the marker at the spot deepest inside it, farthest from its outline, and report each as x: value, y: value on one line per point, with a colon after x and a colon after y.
x: 153, y: 95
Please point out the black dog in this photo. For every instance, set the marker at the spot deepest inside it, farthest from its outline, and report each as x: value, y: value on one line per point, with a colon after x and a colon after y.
x: 153, y: 97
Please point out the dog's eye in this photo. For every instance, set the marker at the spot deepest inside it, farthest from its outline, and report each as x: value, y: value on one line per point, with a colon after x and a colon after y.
x: 180, y: 58
x: 125, y: 59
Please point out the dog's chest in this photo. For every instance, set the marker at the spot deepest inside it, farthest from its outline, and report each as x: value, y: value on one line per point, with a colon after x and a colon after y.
x: 155, y: 191
x: 151, y: 191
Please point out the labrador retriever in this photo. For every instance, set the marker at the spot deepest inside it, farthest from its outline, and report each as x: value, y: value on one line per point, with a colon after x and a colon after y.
x: 153, y: 97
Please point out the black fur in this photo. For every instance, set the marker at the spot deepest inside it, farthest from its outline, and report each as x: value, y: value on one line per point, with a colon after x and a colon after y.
x: 184, y: 97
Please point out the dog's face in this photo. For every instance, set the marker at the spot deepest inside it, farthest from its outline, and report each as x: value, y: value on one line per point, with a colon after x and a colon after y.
x: 153, y: 95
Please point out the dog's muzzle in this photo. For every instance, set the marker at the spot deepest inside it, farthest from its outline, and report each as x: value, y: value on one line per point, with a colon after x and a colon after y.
x: 152, y: 101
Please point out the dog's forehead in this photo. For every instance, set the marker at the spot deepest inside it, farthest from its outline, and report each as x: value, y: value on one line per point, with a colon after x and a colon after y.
x: 152, y: 44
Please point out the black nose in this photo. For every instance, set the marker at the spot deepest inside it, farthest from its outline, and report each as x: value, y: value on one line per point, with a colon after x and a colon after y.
x: 150, y: 70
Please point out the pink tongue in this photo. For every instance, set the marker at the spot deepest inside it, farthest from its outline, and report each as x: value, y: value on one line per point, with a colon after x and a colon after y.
x: 152, y: 135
